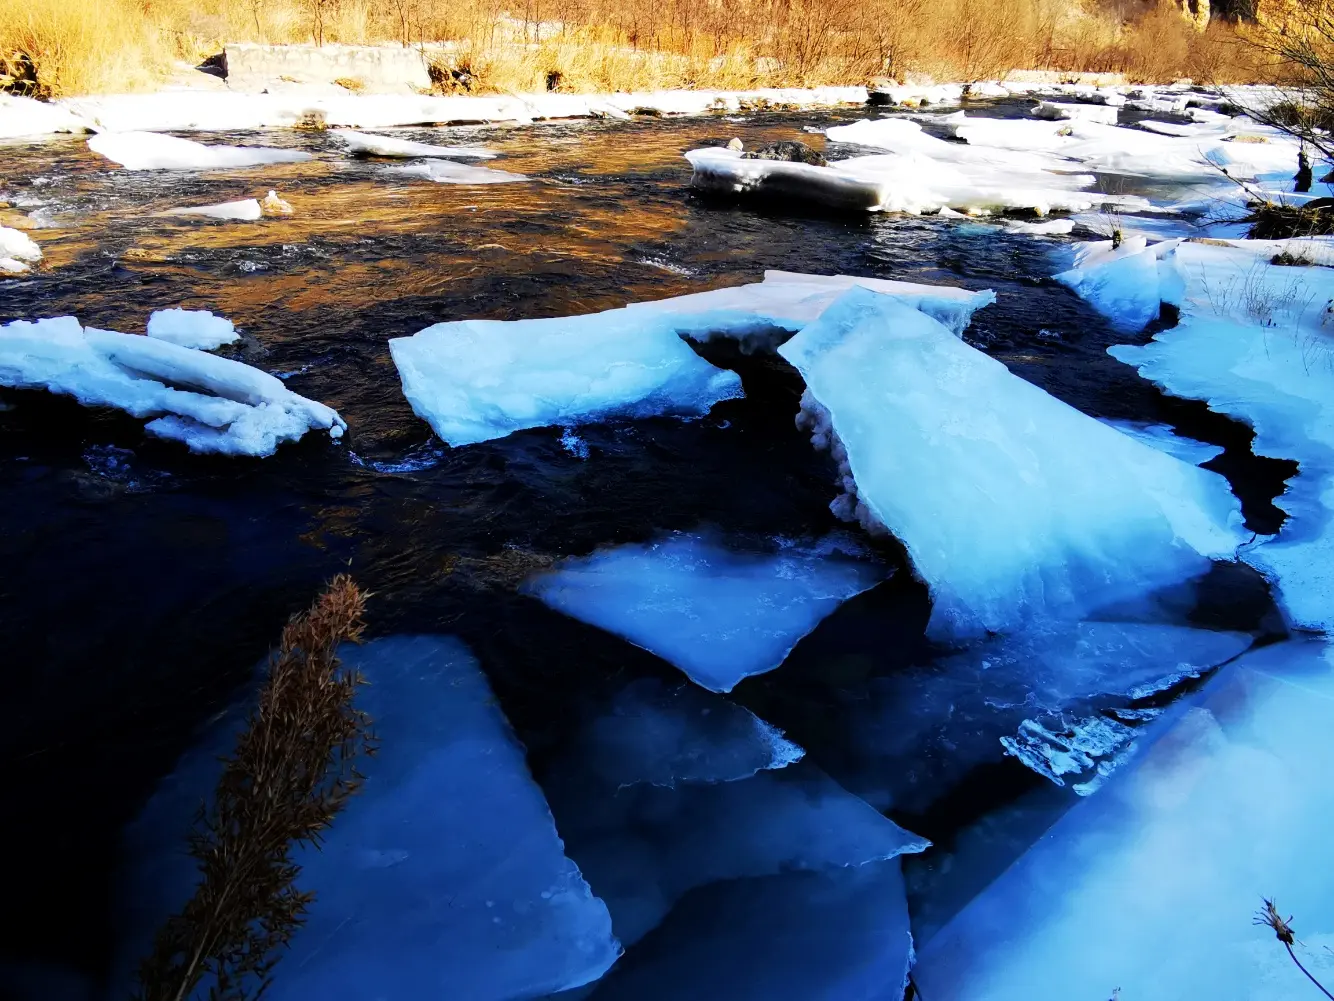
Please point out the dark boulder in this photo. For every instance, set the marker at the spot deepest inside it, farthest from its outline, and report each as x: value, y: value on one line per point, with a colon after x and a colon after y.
x: 790, y: 151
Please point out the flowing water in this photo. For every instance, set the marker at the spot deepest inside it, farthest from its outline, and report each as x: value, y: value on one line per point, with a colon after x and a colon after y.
x: 141, y: 585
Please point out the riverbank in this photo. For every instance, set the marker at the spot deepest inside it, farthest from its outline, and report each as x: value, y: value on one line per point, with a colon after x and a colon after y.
x: 316, y: 106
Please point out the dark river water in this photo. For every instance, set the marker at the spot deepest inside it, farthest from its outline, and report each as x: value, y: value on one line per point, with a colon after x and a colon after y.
x: 140, y: 585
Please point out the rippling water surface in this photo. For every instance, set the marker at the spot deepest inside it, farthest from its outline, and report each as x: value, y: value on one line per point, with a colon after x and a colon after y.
x: 141, y: 584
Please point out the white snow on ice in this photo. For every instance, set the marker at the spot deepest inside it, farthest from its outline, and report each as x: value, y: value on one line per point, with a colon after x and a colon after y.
x: 150, y: 151
x: 448, y: 172
x: 192, y: 328
x: 366, y: 144
x: 210, y: 404
x: 245, y: 210
x: 1012, y: 505
x: 18, y: 251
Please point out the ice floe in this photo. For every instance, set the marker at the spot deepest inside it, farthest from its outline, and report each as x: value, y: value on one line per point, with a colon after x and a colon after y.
x: 1253, y: 342
x: 444, y: 876
x: 1150, y: 886
x: 151, y: 151
x: 474, y: 380
x: 448, y: 172
x: 365, y: 144
x: 1055, y: 111
x: 210, y: 404
x: 18, y: 251
x: 726, y: 802
x: 719, y: 616
x: 1011, y: 504
x: 245, y: 210
x: 192, y: 328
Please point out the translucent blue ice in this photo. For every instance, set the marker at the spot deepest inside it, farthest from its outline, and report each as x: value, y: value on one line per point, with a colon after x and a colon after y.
x: 718, y: 615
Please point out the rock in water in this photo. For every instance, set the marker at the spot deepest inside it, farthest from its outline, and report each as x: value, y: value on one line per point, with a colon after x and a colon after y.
x: 789, y: 151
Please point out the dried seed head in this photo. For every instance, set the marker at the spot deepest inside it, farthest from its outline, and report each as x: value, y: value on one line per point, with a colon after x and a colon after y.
x: 1270, y: 918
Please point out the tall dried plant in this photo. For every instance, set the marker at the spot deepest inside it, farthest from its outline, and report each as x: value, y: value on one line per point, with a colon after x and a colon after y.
x: 294, y: 767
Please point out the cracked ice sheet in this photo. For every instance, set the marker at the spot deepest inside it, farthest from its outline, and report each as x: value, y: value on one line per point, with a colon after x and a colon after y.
x: 913, y: 735
x: 444, y: 876
x: 1271, y: 369
x: 702, y: 793
x: 1021, y: 508
x: 1149, y: 885
x: 718, y: 615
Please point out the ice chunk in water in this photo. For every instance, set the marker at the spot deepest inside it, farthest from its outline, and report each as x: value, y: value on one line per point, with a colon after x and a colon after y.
x: 17, y: 251
x: 366, y: 144
x: 717, y: 615
x: 211, y: 404
x: 153, y: 151
x: 245, y: 210
x: 1012, y: 505
x: 703, y: 793
x: 1149, y: 886
x: 838, y: 935
x: 192, y: 328
x: 444, y: 877
x: 1126, y: 284
x: 475, y: 380
x: 448, y: 172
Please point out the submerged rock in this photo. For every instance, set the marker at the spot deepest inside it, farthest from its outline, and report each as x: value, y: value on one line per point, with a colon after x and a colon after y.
x: 789, y: 151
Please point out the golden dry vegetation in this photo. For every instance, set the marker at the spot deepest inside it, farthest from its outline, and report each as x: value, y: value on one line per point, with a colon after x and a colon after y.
x: 91, y: 46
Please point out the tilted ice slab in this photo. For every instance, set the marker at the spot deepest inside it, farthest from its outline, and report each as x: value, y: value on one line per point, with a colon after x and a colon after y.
x: 192, y: 328
x: 717, y: 615
x: 391, y: 146
x: 443, y: 877
x: 1011, y: 504
x: 448, y: 172
x: 704, y: 794
x: 18, y: 251
x: 211, y: 404
x: 1127, y: 284
x: 1231, y: 802
x: 912, y: 736
x: 151, y: 151
x: 244, y: 210
x: 1252, y: 342
x: 837, y: 935
x: 475, y: 380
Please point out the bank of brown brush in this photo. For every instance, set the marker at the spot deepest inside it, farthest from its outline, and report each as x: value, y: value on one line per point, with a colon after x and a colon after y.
x: 85, y: 46
x: 293, y: 768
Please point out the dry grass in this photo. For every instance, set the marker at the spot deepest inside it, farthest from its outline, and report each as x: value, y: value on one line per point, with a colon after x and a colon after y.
x: 83, y: 46
x: 293, y: 769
